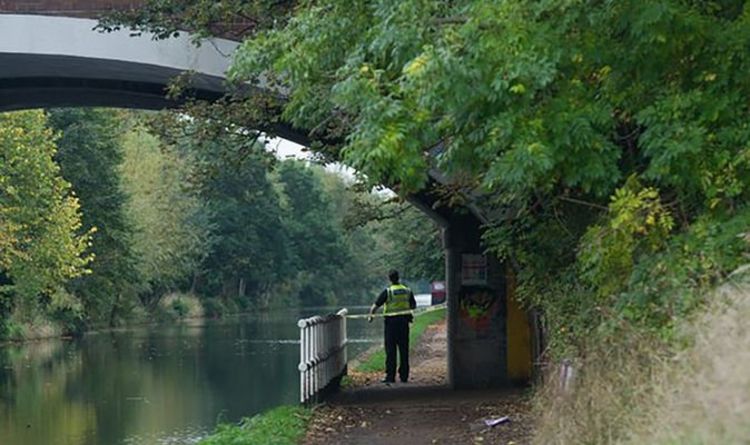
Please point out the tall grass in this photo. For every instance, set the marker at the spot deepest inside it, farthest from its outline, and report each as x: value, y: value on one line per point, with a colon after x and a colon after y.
x: 707, y: 401
x: 611, y: 385
x: 637, y: 389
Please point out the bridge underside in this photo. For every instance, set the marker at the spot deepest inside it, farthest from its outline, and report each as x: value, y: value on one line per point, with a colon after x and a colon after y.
x: 492, y: 341
x: 40, y: 81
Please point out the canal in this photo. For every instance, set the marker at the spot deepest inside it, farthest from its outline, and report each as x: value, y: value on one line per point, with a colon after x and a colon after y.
x: 165, y: 384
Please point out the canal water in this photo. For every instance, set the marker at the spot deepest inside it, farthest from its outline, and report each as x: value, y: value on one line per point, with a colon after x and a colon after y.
x: 165, y: 385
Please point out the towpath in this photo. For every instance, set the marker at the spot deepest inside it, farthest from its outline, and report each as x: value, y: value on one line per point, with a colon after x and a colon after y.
x: 423, y: 411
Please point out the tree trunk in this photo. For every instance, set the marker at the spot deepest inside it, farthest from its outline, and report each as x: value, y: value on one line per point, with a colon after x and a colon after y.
x: 241, y: 288
x: 113, y: 312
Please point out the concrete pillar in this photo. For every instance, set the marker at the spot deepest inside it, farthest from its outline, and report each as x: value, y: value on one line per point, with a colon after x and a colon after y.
x: 477, y: 309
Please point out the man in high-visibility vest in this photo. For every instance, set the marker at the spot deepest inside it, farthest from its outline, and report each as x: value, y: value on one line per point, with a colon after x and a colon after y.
x: 398, y: 300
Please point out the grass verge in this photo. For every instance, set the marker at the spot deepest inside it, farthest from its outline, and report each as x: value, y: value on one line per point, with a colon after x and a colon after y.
x: 375, y: 362
x: 641, y: 390
x: 283, y: 425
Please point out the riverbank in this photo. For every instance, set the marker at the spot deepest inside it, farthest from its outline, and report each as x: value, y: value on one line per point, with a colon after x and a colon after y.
x: 282, y: 425
x: 172, y: 309
x: 296, y: 424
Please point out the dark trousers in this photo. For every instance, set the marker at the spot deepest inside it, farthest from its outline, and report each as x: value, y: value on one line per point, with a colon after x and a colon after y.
x: 397, y: 336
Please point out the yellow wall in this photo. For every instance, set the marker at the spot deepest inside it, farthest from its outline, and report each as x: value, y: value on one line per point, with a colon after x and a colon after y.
x: 520, y: 361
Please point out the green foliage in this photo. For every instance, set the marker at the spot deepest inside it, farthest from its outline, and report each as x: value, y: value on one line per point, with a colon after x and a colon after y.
x: 89, y: 156
x: 660, y: 289
x: 180, y: 308
x: 598, y: 138
x: 539, y: 109
x: 320, y: 253
x: 404, y: 238
x: 284, y: 425
x: 410, y: 242
x: 42, y: 243
x: 250, y: 244
x: 280, y: 231
x: 171, y: 224
x: 213, y: 307
x: 512, y: 106
x: 636, y: 223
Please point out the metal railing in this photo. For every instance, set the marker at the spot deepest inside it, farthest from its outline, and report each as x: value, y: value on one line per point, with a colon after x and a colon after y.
x: 323, y: 355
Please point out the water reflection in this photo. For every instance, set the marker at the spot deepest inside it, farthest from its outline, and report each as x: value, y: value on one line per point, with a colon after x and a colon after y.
x: 152, y: 385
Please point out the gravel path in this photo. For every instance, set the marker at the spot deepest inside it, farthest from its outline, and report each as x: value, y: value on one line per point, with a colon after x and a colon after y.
x: 423, y: 411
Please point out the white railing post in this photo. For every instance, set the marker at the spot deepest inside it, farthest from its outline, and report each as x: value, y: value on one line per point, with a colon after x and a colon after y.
x: 323, y: 355
x: 313, y: 358
x: 302, y: 360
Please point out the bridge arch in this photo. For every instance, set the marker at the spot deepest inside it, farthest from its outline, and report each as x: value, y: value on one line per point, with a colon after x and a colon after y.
x: 48, y: 61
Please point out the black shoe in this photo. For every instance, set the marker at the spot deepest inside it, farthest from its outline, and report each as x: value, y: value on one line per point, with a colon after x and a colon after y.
x: 404, y: 380
x: 387, y: 380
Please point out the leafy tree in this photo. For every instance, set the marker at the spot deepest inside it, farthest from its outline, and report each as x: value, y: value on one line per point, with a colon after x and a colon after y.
x: 171, y: 224
x: 229, y: 172
x: 537, y: 111
x: 319, y: 249
x: 405, y: 238
x: 414, y: 244
x: 89, y: 155
x: 42, y: 242
x: 250, y: 253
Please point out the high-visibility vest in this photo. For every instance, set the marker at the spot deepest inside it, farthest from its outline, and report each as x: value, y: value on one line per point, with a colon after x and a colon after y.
x: 397, y: 300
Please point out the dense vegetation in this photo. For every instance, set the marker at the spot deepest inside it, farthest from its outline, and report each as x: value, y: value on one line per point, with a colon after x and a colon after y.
x: 606, y: 142
x: 40, y: 224
x: 111, y: 216
x: 602, y: 140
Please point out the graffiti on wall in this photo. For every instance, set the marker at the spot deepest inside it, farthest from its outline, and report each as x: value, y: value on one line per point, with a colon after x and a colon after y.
x: 478, y: 305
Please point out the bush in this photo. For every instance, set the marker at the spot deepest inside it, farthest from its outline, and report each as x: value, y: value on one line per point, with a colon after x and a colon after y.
x: 10, y: 330
x: 71, y: 322
x: 180, y: 307
x: 213, y: 308
x: 163, y: 314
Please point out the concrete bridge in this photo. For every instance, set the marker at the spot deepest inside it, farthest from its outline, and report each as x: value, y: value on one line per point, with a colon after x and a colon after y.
x: 58, y: 61
x: 50, y: 56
